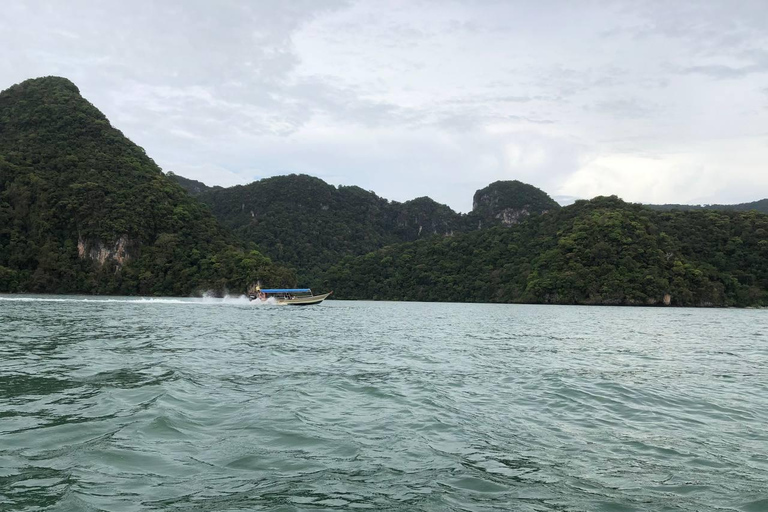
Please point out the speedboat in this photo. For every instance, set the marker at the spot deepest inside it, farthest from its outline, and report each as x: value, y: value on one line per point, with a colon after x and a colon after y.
x: 288, y: 296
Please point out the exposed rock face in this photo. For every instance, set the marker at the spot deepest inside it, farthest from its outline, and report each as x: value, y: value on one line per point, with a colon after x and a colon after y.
x: 510, y: 216
x: 424, y: 217
x: 510, y: 202
x: 97, y: 251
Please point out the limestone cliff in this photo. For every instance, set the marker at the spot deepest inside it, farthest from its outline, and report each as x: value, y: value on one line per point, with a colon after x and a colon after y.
x: 510, y: 202
x: 119, y: 253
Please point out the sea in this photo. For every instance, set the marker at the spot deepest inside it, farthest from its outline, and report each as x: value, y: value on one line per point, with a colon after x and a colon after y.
x: 133, y: 404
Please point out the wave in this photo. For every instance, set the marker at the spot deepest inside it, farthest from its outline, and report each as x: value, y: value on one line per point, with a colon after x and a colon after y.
x: 206, y: 299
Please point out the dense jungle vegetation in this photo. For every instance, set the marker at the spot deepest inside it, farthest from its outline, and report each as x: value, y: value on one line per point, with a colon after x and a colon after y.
x: 600, y: 252
x: 311, y: 225
x: 760, y: 206
x: 603, y: 251
x: 84, y: 210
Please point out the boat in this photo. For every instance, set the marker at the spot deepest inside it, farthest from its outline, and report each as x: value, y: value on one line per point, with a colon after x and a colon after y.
x: 288, y: 296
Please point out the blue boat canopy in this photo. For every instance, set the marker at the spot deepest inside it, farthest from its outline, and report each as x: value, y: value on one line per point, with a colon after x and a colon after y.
x: 286, y: 290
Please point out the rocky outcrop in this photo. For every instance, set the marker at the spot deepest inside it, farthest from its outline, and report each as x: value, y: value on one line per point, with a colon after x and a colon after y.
x: 424, y: 217
x: 101, y: 253
x: 510, y: 202
x: 510, y: 216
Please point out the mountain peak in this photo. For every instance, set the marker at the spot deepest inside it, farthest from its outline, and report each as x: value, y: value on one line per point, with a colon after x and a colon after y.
x: 50, y: 108
x: 511, y: 201
x: 84, y: 209
x: 52, y: 87
x: 51, y: 80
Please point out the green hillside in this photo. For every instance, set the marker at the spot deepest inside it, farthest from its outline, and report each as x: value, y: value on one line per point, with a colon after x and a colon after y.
x: 759, y: 206
x: 84, y: 210
x: 305, y: 222
x: 193, y: 187
x: 509, y: 202
x: 302, y: 221
x: 602, y: 251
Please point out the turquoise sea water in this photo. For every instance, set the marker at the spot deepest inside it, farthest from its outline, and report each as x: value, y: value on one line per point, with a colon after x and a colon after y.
x: 131, y: 404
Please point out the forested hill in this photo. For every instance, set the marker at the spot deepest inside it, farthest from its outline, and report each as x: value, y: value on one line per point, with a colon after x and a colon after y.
x: 84, y: 210
x: 760, y: 206
x: 305, y: 222
x: 602, y: 251
x: 509, y: 202
x: 194, y: 187
x: 310, y: 224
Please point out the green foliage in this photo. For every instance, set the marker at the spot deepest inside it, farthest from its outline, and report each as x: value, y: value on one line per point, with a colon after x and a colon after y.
x: 602, y: 251
x: 304, y: 222
x: 759, y: 206
x: 490, y: 203
x: 84, y: 210
x: 193, y: 187
x: 311, y: 225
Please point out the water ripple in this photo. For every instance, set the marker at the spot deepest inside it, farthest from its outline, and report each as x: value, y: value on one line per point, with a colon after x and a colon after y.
x: 203, y: 404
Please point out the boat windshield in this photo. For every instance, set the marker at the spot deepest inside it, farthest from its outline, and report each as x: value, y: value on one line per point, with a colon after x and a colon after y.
x: 287, y: 291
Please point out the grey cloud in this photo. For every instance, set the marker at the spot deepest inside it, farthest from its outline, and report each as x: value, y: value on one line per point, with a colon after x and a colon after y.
x: 400, y: 96
x: 565, y: 200
x: 722, y: 71
x: 567, y: 82
x: 709, y: 27
x: 759, y: 64
x: 625, y: 108
x: 469, y: 27
x: 484, y: 99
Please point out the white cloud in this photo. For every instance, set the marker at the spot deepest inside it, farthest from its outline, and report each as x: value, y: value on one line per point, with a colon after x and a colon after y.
x: 653, y: 101
x: 697, y: 176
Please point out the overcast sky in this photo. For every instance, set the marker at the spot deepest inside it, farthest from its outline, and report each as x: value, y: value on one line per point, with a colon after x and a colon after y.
x: 653, y: 101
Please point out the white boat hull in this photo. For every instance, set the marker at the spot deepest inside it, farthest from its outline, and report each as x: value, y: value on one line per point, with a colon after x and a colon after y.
x: 297, y: 301
x: 304, y: 301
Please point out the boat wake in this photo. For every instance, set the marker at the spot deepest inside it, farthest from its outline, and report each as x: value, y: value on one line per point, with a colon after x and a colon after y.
x: 206, y: 300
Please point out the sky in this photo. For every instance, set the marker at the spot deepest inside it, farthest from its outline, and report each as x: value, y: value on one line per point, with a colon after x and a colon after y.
x: 653, y: 101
